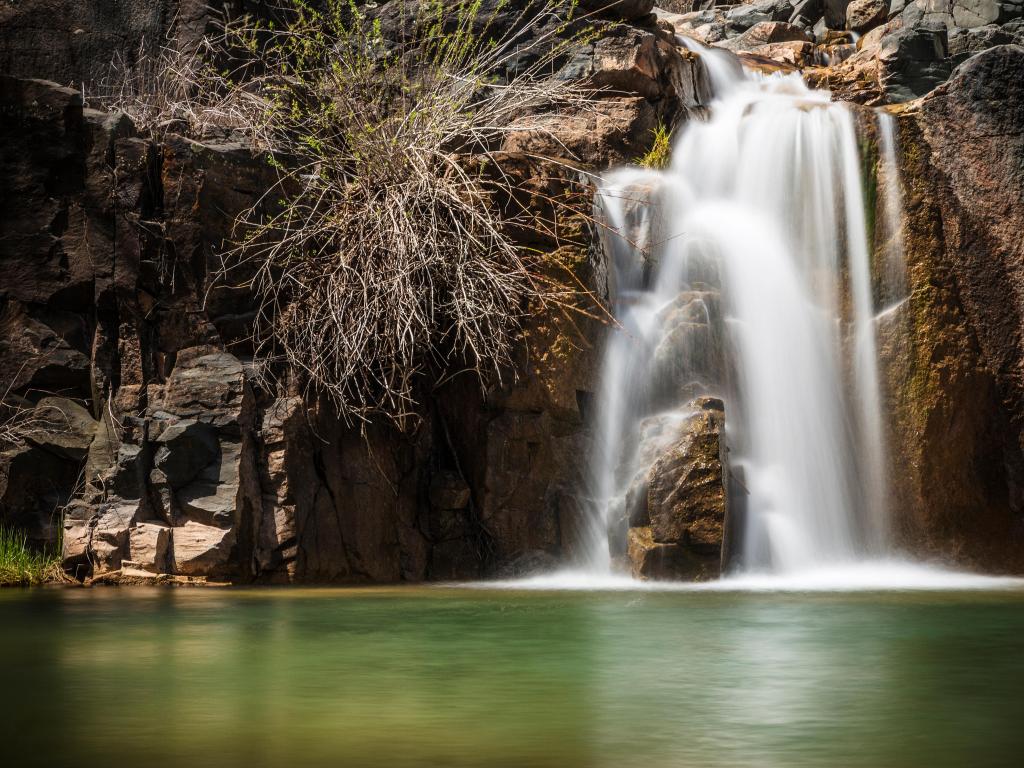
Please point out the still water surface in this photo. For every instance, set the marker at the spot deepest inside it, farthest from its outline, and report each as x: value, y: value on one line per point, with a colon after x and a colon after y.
x: 462, y: 677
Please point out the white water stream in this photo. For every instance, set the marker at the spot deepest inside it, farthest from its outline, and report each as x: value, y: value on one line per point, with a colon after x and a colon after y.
x: 743, y: 271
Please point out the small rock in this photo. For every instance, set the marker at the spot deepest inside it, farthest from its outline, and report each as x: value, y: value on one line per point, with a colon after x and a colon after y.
x: 862, y: 15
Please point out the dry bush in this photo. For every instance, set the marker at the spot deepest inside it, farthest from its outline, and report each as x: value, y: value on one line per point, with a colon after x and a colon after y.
x: 383, y: 252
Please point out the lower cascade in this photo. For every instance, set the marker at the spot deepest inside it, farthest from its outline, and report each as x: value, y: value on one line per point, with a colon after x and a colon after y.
x: 739, y: 420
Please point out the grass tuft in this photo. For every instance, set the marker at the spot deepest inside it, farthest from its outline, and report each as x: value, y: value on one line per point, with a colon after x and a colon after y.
x: 660, y: 153
x: 20, y: 566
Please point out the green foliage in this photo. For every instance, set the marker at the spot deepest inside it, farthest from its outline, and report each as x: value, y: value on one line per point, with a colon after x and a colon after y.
x: 19, y: 565
x: 659, y: 154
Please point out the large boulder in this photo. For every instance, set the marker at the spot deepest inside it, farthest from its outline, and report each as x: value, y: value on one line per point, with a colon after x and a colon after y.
x: 677, y: 505
x: 912, y: 62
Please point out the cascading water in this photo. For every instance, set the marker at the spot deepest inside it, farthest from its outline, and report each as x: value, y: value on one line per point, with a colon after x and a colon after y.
x: 758, y: 230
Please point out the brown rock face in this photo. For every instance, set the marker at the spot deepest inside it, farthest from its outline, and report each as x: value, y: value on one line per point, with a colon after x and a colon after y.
x: 109, y: 248
x: 677, y: 507
x: 953, y: 350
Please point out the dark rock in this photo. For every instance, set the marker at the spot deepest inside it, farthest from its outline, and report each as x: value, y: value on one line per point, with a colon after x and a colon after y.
x: 835, y: 13
x: 448, y: 490
x: 35, y: 484
x: 912, y: 62
x: 807, y: 13
x: 186, y: 447
x: 964, y: 43
x: 66, y: 428
x: 621, y: 9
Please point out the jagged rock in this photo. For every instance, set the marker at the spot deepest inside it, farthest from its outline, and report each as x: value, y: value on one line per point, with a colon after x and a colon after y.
x: 679, y: 499
x: 108, y: 544
x: 912, y: 62
x: 628, y: 61
x: 201, y: 550
x: 862, y: 15
x: 148, y: 545
x: 76, y: 539
x: 764, y: 34
x: 964, y: 43
x: 806, y: 13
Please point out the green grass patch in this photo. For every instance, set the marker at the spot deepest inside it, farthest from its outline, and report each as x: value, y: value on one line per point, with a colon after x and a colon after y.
x: 20, y: 565
x: 658, y: 155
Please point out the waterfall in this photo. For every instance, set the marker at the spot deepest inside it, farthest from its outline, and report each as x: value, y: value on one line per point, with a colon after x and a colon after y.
x: 758, y: 230
x: 894, y: 280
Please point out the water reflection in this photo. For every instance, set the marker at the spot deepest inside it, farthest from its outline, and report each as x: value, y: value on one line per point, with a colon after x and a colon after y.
x: 465, y: 678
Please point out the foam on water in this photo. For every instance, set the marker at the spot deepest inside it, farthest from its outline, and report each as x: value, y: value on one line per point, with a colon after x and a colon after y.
x: 865, y: 576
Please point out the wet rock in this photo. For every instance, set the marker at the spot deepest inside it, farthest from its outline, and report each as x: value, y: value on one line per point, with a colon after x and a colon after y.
x: 650, y: 559
x: 950, y: 352
x: 862, y: 15
x: 679, y: 499
x: 688, y: 359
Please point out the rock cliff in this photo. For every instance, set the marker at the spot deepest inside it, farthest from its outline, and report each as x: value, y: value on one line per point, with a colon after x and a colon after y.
x: 164, y: 452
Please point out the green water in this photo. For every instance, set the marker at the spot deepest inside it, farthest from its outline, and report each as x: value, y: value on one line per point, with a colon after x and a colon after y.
x: 458, y: 677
